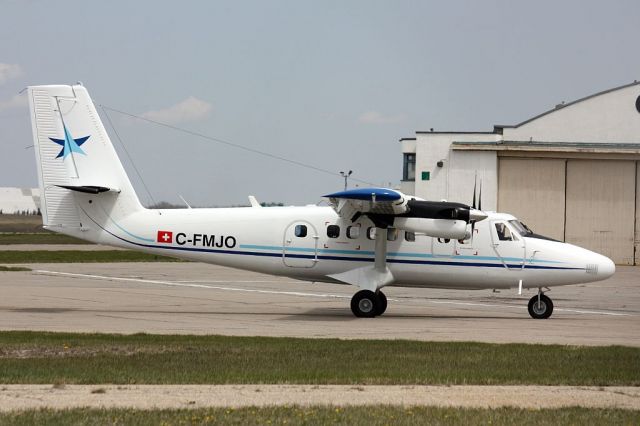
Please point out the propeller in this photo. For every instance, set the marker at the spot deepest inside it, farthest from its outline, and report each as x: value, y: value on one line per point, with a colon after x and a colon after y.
x: 476, y: 214
x: 475, y: 183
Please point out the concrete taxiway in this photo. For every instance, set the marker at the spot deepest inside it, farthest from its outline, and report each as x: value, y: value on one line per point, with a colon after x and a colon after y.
x: 192, y: 298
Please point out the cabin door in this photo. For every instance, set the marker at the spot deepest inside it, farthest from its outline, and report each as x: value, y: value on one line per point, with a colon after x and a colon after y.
x: 508, y: 245
x: 300, y: 245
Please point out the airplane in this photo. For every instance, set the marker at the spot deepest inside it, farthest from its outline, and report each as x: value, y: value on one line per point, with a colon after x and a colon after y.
x: 370, y: 238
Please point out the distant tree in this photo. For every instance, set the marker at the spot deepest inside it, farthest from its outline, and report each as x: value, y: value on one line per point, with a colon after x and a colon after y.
x: 166, y: 205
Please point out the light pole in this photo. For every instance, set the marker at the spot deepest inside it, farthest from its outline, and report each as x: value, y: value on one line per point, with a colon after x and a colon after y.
x: 346, y: 177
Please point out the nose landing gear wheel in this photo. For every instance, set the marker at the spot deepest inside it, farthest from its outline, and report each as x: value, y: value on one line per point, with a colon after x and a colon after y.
x: 540, y: 307
x: 365, y: 304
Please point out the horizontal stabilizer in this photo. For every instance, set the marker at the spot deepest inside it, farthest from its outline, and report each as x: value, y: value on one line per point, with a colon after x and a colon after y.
x: 89, y: 189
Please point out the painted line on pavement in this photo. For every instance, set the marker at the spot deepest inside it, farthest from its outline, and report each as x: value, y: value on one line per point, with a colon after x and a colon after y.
x: 305, y: 294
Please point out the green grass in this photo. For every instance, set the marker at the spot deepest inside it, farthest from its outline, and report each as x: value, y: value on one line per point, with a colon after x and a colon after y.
x: 13, y: 269
x: 20, y: 223
x: 80, y: 256
x: 8, y: 238
x: 323, y: 415
x: 36, y: 357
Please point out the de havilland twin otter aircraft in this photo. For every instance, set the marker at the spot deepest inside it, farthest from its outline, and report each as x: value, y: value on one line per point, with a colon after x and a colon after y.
x: 367, y: 237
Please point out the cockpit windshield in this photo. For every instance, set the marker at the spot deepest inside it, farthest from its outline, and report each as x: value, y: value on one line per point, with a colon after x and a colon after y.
x: 521, y: 228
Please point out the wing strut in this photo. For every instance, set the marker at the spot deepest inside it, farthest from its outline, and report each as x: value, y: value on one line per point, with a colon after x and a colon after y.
x: 370, y: 277
x: 381, y: 250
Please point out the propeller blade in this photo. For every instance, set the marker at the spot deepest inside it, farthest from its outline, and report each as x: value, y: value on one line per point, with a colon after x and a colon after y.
x: 474, y: 193
x: 473, y: 228
x: 480, y: 197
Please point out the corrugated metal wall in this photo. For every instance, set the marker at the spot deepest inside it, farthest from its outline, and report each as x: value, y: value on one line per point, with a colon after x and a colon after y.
x: 600, y: 211
x: 532, y: 189
x: 588, y: 202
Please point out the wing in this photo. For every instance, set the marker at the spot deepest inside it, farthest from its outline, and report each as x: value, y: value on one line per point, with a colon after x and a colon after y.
x: 356, y: 202
x: 388, y: 207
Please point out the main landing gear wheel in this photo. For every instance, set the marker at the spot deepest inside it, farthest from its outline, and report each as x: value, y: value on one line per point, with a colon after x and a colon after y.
x: 365, y: 304
x: 540, y: 307
x: 382, y: 303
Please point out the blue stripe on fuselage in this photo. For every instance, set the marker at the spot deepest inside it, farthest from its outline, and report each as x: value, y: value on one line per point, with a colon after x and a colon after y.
x: 390, y: 254
x: 327, y: 257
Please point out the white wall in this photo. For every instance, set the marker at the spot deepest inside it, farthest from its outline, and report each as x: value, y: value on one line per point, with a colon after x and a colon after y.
x: 462, y: 173
x: 454, y: 181
x: 16, y: 200
x: 608, y: 118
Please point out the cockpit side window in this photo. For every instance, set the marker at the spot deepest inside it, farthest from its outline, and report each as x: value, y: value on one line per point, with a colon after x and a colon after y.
x: 520, y: 227
x: 503, y: 231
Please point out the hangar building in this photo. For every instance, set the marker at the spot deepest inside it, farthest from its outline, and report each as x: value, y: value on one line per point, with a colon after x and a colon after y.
x: 570, y: 173
x: 19, y: 200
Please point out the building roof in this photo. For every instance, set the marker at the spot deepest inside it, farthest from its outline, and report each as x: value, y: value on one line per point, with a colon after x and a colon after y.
x: 596, y: 148
x: 497, y: 129
x: 452, y: 132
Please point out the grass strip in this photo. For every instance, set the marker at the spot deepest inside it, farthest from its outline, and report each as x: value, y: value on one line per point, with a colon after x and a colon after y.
x: 323, y: 415
x: 37, y: 357
x: 20, y: 223
x: 9, y: 238
x: 80, y: 256
x: 13, y: 269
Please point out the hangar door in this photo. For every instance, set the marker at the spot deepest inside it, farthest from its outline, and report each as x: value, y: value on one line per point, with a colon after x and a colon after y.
x: 590, y: 203
x: 600, y: 209
x: 532, y: 189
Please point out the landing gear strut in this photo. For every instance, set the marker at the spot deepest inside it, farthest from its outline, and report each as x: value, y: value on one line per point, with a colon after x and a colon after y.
x: 367, y: 304
x: 540, y: 306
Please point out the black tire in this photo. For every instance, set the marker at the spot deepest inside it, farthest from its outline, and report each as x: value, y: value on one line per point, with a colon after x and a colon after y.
x: 542, y: 310
x: 382, y: 303
x: 364, y: 304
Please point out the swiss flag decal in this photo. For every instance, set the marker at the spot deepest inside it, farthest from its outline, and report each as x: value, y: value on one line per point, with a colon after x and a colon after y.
x: 165, y: 237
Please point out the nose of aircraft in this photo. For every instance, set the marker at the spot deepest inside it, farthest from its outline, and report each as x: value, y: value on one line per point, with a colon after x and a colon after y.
x: 606, y: 267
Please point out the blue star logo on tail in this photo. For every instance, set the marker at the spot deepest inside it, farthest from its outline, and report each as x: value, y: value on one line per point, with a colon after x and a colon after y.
x: 69, y: 144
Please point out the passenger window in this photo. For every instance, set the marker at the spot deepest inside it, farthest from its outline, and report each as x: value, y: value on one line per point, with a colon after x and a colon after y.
x: 444, y: 240
x: 410, y: 236
x: 333, y: 231
x: 301, y: 231
x: 353, y: 232
x: 392, y: 234
x: 504, y: 233
x: 371, y: 233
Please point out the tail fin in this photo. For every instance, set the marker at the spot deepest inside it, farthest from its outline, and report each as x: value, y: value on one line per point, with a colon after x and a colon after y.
x: 75, y: 156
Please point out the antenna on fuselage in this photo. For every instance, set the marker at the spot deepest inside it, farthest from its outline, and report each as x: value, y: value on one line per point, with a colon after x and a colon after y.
x: 184, y: 201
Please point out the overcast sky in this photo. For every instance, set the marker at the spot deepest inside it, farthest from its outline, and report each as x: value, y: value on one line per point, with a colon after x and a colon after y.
x: 334, y: 84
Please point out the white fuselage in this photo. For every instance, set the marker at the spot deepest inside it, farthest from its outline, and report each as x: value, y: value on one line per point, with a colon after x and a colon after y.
x: 264, y: 240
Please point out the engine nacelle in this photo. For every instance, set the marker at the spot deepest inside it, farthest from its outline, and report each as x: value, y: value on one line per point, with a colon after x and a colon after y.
x: 438, y: 228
